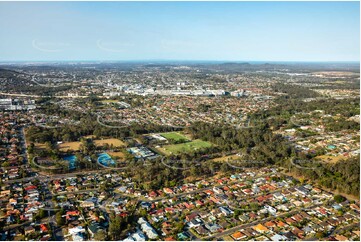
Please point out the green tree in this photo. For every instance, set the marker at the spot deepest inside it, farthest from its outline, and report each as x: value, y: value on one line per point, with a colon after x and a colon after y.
x: 60, y: 220
x: 101, y: 235
x: 115, y: 228
x: 339, y: 198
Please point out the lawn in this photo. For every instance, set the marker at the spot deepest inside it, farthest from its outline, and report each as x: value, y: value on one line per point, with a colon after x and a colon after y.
x: 184, y: 147
x: 174, y: 136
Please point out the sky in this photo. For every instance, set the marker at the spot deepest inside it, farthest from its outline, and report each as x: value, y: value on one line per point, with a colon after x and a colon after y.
x: 233, y: 31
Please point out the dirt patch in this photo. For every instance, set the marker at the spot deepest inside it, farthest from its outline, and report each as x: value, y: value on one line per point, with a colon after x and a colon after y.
x: 76, y: 145
x: 336, y: 73
x: 114, y: 142
x: 39, y: 146
x: 227, y: 158
x: 69, y: 146
x: 119, y: 155
x: 331, y: 159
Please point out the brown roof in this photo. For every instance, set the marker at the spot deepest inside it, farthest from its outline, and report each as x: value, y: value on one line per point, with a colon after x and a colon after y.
x: 237, y: 235
x: 270, y: 224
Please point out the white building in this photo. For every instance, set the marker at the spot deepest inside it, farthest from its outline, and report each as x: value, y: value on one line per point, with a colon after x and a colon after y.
x: 139, y: 236
x: 147, y: 229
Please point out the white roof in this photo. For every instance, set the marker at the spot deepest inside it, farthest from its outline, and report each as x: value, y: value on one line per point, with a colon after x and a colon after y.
x: 138, y: 236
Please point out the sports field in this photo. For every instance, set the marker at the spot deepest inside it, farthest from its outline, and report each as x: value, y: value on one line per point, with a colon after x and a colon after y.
x: 184, y: 147
x: 174, y: 136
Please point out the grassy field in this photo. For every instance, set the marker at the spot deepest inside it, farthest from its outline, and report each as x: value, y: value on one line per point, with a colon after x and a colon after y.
x: 75, y: 145
x: 110, y: 101
x: 118, y: 155
x: 185, y: 147
x: 331, y: 159
x: 39, y: 146
x: 227, y: 158
x: 115, y: 142
x: 174, y: 136
x: 69, y: 146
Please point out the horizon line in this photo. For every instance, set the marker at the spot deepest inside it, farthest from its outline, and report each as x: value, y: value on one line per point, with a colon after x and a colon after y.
x: 185, y: 60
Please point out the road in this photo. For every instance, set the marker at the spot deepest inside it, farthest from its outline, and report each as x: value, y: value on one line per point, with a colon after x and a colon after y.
x: 49, y: 177
x: 235, y: 229
x: 77, y: 192
x: 37, y: 96
x: 13, y: 226
x: 336, y: 231
x: 199, y: 190
x: 58, y: 231
x: 24, y: 145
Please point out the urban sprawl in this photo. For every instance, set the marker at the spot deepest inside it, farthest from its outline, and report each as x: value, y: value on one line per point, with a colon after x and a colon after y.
x: 137, y: 152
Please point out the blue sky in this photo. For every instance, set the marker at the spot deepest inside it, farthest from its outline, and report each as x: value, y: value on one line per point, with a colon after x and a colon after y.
x: 237, y: 31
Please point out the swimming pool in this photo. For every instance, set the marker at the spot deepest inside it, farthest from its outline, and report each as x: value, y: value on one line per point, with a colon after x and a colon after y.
x: 72, y: 161
x: 105, y: 159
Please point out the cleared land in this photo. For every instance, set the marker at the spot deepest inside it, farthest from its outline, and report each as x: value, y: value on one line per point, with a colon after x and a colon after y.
x: 184, y: 147
x: 119, y: 155
x: 110, y: 101
x: 336, y: 73
x: 69, y: 146
x: 227, y: 158
x: 174, y: 136
x: 114, y: 142
x: 331, y: 159
x: 76, y: 145
x: 39, y: 146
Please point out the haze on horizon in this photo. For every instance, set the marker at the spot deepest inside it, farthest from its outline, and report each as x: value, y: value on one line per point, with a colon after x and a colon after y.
x: 233, y: 31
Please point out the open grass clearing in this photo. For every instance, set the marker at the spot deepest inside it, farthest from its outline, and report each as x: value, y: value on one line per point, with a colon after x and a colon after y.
x: 113, y: 141
x: 76, y: 145
x: 110, y: 101
x: 227, y: 158
x: 331, y: 159
x: 118, y: 155
x: 69, y: 146
x: 184, y: 147
x: 174, y: 136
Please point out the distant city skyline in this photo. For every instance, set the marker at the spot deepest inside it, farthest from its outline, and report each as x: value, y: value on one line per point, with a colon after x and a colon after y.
x: 180, y: 31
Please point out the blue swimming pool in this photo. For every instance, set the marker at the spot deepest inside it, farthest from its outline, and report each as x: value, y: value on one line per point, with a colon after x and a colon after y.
x: 105, y: 159
x: 71, y: 159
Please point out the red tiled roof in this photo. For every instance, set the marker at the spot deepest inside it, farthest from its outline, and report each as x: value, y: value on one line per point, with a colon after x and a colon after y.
x: 30, y: 187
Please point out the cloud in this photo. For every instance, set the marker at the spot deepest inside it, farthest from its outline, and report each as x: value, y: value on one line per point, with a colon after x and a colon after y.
x: 113, y: 46
x: 48, y: 46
